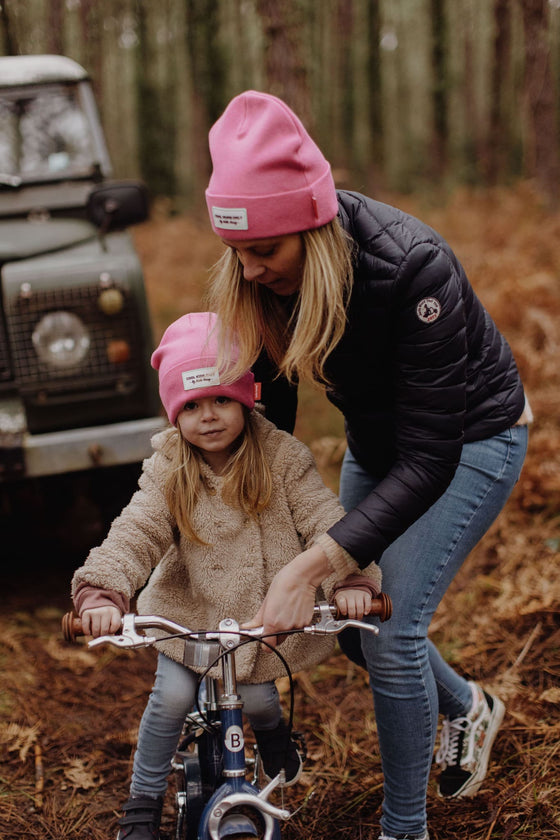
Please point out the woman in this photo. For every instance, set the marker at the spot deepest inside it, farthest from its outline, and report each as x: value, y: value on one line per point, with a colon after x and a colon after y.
x: 354, y: 294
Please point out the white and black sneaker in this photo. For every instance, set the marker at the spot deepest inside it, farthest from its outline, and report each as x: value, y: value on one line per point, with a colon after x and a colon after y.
x: 466, y: 743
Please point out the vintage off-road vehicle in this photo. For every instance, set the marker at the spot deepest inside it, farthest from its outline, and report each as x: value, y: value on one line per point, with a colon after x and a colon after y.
x: 77, y: 391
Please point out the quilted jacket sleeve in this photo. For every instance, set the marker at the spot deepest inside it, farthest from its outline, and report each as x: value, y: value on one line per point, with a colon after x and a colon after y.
x: 429, y: 368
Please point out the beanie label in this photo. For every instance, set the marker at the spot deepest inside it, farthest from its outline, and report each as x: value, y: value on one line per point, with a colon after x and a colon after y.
x: 200, y: 378
x: 230, y: 218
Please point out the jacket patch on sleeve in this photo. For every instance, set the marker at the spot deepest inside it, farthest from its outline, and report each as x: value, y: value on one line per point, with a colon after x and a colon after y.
x: 428, y: 310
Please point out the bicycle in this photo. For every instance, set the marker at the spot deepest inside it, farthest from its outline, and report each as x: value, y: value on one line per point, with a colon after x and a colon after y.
x: 214, y: 799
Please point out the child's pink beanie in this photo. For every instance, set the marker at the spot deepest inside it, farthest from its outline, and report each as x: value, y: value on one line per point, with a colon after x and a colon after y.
x: 186, y: 361
x: 269, y: 177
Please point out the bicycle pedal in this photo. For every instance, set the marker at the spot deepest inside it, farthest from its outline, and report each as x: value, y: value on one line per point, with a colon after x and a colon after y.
x: 301, y: 744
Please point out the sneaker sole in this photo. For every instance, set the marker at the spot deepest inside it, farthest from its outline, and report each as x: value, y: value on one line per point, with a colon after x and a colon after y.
x: 472, y: 785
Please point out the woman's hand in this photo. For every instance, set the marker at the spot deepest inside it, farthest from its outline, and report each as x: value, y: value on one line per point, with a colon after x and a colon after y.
x: 290, y: 599
x: 101, y: 621
x: 355, y: 603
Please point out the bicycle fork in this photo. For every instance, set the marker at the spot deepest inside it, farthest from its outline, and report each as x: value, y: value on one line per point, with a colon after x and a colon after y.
x: 236, y: 803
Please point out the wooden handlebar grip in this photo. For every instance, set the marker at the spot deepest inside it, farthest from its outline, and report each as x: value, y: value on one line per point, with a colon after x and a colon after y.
x: 382, y: 606
x: 71, y: 627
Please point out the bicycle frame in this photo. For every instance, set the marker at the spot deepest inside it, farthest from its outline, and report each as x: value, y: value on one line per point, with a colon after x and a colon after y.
x: 222, y: 815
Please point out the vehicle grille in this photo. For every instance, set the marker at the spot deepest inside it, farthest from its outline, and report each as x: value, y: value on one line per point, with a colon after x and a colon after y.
x: 96, y: 373
x: 5, y: 370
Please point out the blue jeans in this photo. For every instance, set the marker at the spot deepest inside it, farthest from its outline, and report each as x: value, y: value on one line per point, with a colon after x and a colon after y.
x: 410, y: 681
x: 171, y: 699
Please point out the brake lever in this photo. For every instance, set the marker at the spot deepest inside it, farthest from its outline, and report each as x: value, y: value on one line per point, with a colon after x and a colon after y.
x: 328, y: 624
x: 127, y: 638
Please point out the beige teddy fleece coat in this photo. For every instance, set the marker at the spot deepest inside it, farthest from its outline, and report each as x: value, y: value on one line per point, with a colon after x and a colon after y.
x: 198, y: 585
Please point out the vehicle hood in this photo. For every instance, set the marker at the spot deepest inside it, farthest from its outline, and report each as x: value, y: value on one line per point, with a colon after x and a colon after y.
x: 24, y: 238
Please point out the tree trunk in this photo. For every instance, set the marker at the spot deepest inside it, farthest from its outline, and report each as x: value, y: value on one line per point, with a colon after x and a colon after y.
x: 10, y: 41
x: 285, y: 70
x: 208, y: 78
x: 156, y: 114
x: 543, y: 159
x: 55, y: 26
x: 499, y: 138
x: 375, y: 83
x: 439, y: 87
x: 91, y: 20
x: 475, y: 143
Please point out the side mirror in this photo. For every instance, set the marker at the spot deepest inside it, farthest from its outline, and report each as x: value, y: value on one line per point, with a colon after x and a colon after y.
x: 117, y: 205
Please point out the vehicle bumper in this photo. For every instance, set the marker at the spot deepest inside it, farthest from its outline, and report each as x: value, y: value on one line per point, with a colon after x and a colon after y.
x: 78, y: 449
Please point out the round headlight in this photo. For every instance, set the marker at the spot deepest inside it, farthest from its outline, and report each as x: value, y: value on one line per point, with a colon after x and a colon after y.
x: 61, y: 339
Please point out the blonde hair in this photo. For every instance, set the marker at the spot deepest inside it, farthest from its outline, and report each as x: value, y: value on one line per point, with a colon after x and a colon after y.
x: 254, y: 317
x: 247, y: 478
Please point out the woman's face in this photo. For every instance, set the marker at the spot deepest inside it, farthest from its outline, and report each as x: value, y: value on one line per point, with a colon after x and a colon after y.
x: 276, y: 263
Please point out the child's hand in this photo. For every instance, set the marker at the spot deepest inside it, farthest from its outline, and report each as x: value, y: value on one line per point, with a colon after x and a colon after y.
x: 355, y: 603
x: 101, y: 621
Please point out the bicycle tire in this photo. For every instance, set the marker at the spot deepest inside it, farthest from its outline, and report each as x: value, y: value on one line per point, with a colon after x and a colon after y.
x: 190, y: 796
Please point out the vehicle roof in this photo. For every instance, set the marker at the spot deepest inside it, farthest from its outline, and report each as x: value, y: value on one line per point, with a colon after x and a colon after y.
x: 33, y: 69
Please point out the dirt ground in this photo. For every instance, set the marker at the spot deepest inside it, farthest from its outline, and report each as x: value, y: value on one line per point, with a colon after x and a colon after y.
x: 68, y: 716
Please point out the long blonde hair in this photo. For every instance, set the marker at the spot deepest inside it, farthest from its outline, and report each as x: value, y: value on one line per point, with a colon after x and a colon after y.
x: 247, y: 478
x: 255, y: 318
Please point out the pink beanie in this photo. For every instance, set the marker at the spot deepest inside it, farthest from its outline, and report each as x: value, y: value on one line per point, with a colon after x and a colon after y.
x: 186, y: 361
x: 269, y: 177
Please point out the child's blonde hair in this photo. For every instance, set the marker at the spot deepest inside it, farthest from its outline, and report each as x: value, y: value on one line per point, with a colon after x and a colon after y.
x: 301, y: 344
x: 247, y: 477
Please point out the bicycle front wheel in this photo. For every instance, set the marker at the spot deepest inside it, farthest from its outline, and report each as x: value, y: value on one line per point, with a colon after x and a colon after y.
x: 189, y: 797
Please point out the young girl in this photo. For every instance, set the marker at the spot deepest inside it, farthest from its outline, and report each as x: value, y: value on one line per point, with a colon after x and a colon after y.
x: 225, y: 501
x: 339, y: 288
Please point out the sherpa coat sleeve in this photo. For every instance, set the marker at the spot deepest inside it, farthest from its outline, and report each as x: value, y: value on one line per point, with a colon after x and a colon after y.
x: 139, y: 537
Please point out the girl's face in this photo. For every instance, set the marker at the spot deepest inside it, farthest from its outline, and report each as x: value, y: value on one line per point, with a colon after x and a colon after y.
x: 276, y: 263
x: 212, y: 424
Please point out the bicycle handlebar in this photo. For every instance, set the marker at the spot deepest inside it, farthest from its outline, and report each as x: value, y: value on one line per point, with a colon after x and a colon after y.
x: 229, y: 632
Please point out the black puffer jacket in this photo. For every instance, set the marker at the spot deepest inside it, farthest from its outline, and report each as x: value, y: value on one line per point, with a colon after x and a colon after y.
x: 420, y: 369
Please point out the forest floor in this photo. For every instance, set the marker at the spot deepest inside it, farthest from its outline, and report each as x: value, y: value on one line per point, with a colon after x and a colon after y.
x: 68, y: 716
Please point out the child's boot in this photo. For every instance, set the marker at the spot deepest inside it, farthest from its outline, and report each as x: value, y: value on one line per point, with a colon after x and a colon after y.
x: 141, y: 818
x: 278, y: 751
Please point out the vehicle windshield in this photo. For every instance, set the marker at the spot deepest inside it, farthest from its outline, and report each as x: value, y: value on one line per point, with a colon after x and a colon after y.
x: 44, y: 134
